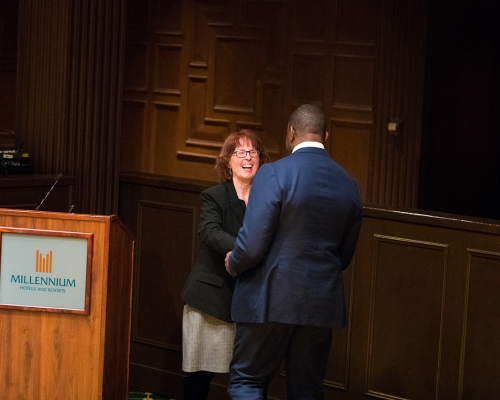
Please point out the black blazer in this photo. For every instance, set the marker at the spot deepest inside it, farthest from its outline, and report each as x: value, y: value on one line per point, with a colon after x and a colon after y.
x: 209, y: 288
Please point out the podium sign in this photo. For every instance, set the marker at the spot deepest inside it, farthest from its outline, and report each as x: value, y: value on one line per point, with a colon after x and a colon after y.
x: 45, y: 270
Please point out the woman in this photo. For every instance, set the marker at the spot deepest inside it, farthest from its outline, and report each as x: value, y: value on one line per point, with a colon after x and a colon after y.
x: 207, y: 328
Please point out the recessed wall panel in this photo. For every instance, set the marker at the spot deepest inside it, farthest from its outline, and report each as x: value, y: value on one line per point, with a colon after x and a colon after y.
x: 350, y: 147
x: 168, y: 69
x: 135, y: 70
x: 337, y: 370
x: 308, y: 72
x: 235, y: 72
x: 165, y: 125
x: 310, y: 22
x: 269, y: 17
x: 137, y: 16
x: 164, y: 259
x: 205, y: 18
x: 407, y: 304
x: 353, y: 82
x: 168, y: 16
x: 275, y: 129
x: 199, y: 128
x: 481, y: 353
x: 132, y: 132
x: 357, y: 21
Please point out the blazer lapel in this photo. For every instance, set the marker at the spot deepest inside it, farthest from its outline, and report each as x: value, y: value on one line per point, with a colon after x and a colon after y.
x: 237, y: 206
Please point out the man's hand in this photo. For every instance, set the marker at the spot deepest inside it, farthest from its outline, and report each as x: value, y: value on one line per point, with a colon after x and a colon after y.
x: 226, y: 262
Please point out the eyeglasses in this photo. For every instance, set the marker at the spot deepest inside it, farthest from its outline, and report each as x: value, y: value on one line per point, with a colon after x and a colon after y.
x: 243, y: 153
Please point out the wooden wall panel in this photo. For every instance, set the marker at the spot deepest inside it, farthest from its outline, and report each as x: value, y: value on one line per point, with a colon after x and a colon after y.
x: 357, y: 22
x: 199, y: 30
x: 247, y: 64
x: 168, y: 16
x: 349, y: 145
x: 337, y: 371
x: 136, y: 69
x: 308, y: 74
x: 28, y: 191
x: 233, y: 85
x: 227, y: 75
x: 167, y: 68
x: 69, y: 100
x: 421, y: 294
x: 427, y: 330
x: 269, y: 17
x: 273, y: 102
x: 353, y: 83
x: 311, y: 23
x: 8, y: 63
x: 407, y: 302
x: 133, y: 151
x: 164, y: 216
x: 166, y: 123
x: 203, y: 131
x: 164, y: 259
x: 481, y: 346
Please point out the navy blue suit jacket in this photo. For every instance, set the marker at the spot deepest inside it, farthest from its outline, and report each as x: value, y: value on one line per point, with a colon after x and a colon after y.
x: 300, y: 231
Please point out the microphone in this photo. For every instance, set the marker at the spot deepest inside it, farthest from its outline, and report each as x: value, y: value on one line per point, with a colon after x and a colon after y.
x: 50, y: 190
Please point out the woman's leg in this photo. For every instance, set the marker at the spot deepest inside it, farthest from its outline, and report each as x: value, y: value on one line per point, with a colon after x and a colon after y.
x: 196, y: 385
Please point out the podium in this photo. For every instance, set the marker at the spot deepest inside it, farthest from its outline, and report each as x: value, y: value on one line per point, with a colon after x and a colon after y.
x: 65, y: 310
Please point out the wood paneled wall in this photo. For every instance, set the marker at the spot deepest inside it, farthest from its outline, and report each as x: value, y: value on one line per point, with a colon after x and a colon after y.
x: 8, y: 63
x: 164, y: 213
x: 198, y: 70
x: 425, y: 306
x: 30, y: 192
x: 422, y: 295
x: 70, y: 59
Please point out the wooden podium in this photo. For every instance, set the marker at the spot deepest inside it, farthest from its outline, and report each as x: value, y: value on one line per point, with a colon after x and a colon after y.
x: 57, y: 353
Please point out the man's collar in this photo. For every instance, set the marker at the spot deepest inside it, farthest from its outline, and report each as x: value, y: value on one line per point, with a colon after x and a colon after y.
x: 308, y: 144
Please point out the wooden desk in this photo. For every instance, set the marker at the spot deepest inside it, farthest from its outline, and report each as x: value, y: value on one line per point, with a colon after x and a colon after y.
x: 27, y: 191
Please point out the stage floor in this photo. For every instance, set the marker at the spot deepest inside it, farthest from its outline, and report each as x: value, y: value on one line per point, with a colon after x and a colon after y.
x: 142, y: 395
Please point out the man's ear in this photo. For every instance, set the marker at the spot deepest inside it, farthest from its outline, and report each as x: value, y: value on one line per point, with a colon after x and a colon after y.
x: 291, y: 134
x: 326, y: 135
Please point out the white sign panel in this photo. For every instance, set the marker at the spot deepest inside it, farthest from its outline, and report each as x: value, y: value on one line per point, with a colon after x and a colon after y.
x: 46, y: 271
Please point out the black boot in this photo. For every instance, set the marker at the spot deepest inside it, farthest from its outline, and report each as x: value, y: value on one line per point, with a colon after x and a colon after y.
x: 196, y: 385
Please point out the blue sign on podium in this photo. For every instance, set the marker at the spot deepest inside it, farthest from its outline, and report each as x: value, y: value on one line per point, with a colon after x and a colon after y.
x: 45, y: 270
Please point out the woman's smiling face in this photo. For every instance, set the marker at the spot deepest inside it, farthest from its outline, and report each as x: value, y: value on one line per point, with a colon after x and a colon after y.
x: 244, y: 169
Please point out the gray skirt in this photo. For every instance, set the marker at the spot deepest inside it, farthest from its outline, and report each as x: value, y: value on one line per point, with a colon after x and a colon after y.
x: 207, y: 342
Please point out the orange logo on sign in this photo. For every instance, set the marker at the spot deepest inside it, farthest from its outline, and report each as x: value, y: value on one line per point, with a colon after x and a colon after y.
x: 44, y: 264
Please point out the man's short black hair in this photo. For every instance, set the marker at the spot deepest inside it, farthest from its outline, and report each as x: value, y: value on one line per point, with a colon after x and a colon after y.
x: 308, y: 118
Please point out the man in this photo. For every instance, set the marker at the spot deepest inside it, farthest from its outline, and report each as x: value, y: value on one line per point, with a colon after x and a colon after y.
x: 300, y: 231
